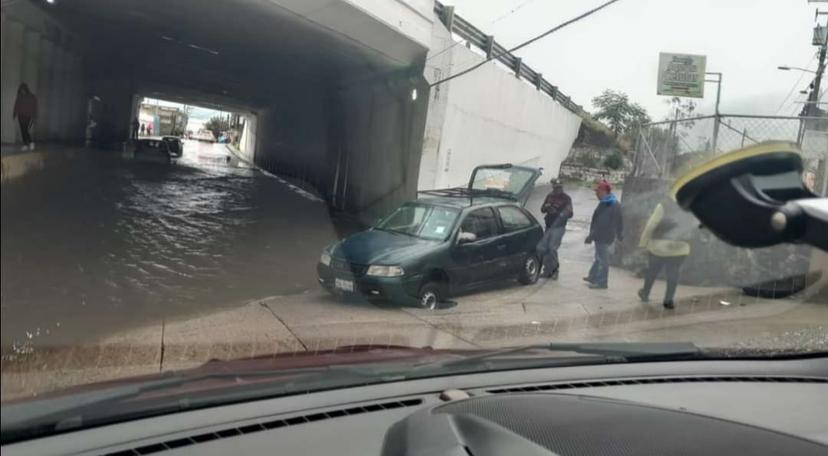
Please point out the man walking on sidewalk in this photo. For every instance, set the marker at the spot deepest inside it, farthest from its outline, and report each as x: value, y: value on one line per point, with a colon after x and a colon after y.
x: 666, y: 237
x: 605, y: 228
x: 25, y: 111
x: 557, y: 208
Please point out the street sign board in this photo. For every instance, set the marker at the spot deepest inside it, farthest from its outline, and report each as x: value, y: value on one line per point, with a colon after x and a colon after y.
x: 681, y: 75
x: 820, y: 36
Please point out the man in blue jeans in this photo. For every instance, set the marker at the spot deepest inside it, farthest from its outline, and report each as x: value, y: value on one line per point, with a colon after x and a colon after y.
x: 557, y: 210
x: 605, y: 228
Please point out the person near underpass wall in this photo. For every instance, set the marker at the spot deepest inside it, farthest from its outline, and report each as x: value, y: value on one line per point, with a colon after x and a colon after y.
x: 557, y: 210
x: 666, y: 237
x: 606, y: 226
x: 25, y: 111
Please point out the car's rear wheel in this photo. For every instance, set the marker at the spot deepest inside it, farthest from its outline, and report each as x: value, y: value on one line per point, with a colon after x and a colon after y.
x: 531, y: 270
x: 431, y: 295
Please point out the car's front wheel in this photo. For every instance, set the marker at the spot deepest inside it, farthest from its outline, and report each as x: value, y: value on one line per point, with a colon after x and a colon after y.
x: 431, y: 295
x: 531, y: 270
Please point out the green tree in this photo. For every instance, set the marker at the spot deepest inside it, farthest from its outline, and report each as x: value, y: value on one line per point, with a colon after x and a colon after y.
x: 614, y: 160
x: 619, y: 113
x: 217, y: 125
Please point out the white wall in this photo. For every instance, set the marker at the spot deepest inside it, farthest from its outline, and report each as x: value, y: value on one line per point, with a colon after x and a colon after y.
x: 38, y: 51
x: 412, y: 18
x: 247, y: 142
x: 488, y: 116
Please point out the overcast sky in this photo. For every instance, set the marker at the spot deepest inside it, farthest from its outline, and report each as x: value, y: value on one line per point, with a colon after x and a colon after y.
x: 618, y: 47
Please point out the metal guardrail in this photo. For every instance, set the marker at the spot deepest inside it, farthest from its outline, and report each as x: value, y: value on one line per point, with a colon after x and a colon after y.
x: 495, y: 51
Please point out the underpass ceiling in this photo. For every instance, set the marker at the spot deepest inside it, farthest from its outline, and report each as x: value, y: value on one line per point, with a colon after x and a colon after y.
x: 241, y: 53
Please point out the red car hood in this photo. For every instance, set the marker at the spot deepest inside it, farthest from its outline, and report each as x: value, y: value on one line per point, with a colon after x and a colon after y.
x: 280, y: 364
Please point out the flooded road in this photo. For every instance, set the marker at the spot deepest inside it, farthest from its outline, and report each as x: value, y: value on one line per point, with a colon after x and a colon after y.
x: 106, y: 244
x: 101, y: 244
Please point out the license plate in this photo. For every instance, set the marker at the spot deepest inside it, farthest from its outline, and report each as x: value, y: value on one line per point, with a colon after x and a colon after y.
x: 344, y: 285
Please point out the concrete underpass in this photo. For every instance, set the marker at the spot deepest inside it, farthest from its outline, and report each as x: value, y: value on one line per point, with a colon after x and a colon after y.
x: 325, y: 88
x: 112, y: 266
x: 328, y: 84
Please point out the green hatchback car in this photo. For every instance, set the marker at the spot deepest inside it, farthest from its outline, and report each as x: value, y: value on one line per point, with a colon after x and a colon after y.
x: 447, y: 242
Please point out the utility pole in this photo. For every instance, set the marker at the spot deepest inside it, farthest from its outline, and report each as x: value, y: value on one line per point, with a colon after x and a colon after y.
x: 810, y: 108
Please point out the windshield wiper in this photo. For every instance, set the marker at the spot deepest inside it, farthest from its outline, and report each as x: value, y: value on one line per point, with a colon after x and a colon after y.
x: 602, y: 352
x: 389, y: 230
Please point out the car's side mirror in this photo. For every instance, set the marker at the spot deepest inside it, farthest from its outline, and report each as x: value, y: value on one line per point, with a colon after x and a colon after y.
x: 465, y: 238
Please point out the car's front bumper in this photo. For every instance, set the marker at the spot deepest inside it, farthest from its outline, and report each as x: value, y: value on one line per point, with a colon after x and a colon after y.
x: 402, y: 290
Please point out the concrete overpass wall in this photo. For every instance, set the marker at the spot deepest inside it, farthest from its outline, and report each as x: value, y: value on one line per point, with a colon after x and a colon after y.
x: 382, y: 137
x: 40, y: 52
x: 487, y: 116
x: 292, y: 135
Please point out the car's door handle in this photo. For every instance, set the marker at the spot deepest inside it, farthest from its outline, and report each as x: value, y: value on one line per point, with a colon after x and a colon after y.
x: 501, y: 246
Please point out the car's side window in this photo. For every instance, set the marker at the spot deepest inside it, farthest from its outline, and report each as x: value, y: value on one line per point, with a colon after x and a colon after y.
x: 481, y: 222
x: 513, y: 218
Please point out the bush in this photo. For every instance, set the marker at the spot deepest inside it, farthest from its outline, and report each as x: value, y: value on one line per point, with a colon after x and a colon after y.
x: 614, y: 161
x: 588, y: 160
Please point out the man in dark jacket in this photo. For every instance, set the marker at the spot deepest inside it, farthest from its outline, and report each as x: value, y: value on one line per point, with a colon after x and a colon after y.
x: 25, y: 111
x: 557, y: 209
x: 605, y: 228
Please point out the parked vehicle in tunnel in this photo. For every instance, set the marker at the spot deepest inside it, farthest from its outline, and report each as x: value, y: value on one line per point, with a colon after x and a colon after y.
x: 174, y: 145
x: 153, y: 150
x: 447, y: 242
x: 204, y: 135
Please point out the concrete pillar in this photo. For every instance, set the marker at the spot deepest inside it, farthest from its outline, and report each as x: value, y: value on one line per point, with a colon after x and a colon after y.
x: 12, y: 38
x: 31, y: 53
x: 58, y: 127
x: 44, y: 91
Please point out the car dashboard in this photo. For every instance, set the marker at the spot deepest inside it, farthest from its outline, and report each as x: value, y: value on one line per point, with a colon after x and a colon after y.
x: 679, y: 408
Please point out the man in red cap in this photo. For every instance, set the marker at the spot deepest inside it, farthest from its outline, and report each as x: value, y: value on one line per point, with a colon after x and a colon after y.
x: 605, y: 228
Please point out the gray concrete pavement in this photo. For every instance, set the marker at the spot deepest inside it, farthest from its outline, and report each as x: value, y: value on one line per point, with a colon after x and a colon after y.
x: 511, y: 315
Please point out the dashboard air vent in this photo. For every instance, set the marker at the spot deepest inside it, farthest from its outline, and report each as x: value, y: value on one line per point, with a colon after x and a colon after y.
x: 264, y: 426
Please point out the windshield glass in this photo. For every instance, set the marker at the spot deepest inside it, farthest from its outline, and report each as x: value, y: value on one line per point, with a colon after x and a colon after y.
x: 427, y: 222
x: 267, y: 192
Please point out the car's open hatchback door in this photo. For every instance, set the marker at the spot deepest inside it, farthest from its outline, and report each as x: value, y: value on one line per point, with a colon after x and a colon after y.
x: 506, y: 180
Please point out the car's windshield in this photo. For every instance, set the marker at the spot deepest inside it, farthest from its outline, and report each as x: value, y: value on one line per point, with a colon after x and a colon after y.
x: 354, y: 188
x: 420, y: 220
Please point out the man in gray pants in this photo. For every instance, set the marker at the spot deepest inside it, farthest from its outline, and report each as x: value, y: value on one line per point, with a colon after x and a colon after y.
x: 557, y: 208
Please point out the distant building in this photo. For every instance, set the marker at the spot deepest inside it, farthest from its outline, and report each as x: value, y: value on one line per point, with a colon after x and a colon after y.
x: 165, y: 120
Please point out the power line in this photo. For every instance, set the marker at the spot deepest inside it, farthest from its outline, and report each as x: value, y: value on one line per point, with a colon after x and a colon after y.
x: 796, y: 84
x: 528, y: 42
x: 512, y: 11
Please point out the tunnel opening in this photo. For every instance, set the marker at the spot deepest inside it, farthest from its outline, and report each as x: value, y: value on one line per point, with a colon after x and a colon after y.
x: 337, y: 104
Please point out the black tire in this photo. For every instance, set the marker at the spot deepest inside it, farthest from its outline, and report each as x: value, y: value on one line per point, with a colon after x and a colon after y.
x: 530, y: 270
x: 431, y: 295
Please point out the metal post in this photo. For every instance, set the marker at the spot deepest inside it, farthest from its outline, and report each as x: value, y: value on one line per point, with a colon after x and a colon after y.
x: 718, y: 118
x: 744, y: 134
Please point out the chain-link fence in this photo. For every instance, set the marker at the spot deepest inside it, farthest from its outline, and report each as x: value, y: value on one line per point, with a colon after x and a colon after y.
x: 665, y: 149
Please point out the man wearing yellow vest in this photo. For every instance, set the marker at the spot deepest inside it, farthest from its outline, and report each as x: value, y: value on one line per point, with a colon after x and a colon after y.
x: 666, y: 238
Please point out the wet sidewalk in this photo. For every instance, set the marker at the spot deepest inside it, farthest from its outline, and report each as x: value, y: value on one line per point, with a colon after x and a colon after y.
x: 563, y: 310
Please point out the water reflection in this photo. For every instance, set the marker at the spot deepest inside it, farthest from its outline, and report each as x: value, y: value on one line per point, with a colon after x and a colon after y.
x: 106, y: 244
